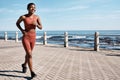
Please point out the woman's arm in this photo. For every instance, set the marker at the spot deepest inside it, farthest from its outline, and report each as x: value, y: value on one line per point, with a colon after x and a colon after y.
x: 18, y: 23
x: 39, y: 25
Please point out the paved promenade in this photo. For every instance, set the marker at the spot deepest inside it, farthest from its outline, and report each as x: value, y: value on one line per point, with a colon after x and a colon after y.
x: 52, y: 62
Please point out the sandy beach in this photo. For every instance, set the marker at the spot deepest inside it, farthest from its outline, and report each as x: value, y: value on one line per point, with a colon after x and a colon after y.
x: 54, y: 62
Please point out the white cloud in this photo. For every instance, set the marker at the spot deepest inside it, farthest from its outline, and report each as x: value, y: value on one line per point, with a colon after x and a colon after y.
x: 63, y: 9
x: 117, y: 11
x: 11, y: 11
x: 77, y: 8
x: 102, y: 17
x: 2, y: 10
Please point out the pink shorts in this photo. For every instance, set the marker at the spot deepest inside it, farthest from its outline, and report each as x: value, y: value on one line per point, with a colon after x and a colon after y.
x: 28, y: 41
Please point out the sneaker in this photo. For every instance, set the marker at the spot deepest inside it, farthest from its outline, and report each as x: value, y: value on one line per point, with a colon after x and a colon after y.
x: 24, y: 69
x: 33, y: 75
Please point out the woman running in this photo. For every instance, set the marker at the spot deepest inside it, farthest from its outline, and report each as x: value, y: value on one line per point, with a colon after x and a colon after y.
x: 31, y: 21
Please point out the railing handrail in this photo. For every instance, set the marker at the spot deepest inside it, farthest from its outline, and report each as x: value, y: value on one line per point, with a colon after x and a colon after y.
x: 65, y: 35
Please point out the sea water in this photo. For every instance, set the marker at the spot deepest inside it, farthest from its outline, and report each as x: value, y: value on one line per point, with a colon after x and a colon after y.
x: 109, y: 39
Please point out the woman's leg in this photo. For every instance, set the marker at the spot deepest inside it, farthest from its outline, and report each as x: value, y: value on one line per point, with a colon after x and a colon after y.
x: 29, y: 60
x: 28, y: 46
x: 33, y: 40
x: 32, y: 43
x: 28, y: 56
x: 26, y: 59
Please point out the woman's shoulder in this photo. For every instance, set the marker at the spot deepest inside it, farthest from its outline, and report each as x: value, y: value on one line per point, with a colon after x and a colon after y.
x: 23, y: 16
x: 36, y: 16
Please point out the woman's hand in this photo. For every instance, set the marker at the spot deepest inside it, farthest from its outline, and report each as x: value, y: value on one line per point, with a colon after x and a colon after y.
x: 35, y: 23
x: 24, y: 32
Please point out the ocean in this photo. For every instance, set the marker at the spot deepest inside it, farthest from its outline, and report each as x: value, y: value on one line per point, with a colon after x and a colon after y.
x: 109, y: 39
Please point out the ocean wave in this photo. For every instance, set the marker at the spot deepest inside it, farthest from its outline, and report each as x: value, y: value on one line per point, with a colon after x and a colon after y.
x: 74, y: 39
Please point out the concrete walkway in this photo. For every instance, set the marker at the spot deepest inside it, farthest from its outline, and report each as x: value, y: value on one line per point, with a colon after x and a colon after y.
x: 52, y: 62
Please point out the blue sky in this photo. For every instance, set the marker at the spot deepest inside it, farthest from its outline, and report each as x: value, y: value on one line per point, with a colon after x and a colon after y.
x: 64, y: 14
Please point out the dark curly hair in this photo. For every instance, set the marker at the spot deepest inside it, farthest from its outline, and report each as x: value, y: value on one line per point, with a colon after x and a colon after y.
x: 30, y: 5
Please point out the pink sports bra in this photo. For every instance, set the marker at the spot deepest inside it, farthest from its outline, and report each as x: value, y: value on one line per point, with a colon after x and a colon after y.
x: 28, y: 22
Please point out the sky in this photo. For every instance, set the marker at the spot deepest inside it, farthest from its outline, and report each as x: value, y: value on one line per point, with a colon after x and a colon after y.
x: 64, y: 14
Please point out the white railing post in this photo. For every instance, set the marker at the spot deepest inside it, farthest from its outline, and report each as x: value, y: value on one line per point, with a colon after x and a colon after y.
x: 5, y: 35
x: 44, y: 39
x: 96, y: 41
x: 16, y: 36
x: 65, y: 39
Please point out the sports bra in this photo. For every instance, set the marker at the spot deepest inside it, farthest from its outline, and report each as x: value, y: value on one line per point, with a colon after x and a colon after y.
x: 28, y: 23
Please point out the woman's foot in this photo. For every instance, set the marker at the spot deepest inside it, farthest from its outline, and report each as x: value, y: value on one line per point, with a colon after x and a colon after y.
x: 24, y: 68
x: 33, y: 75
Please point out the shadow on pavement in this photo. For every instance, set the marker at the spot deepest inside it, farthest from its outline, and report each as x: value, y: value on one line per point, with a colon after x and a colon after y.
x: 2, y: 73
x: 118, y: 55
